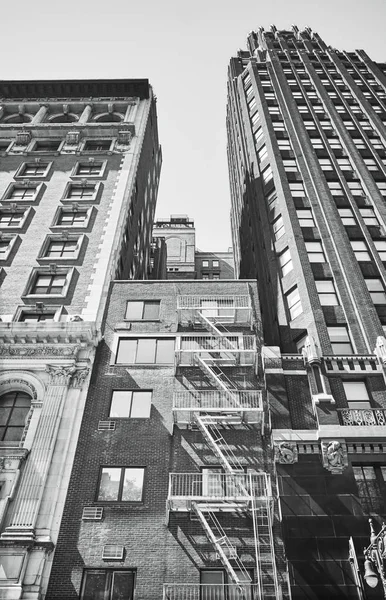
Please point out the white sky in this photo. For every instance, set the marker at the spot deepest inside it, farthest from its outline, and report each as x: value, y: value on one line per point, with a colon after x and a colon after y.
x: 183, y: 48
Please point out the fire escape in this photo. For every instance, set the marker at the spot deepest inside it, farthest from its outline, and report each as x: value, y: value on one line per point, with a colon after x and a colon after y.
x: 233, y: 490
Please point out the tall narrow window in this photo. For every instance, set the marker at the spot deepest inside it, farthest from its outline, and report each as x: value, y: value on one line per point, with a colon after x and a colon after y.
x: 326, y: 292
x: 285, y: 262
x: 360, y: 250
x: 376, y: 289
x: 293, y: 302
x: 278, y: 227
x: 305, y: 217
x: 14, y: 409
x: 315, y: 252
x: 370, y: 481
x: 339, y: 339
x: 356, y: 394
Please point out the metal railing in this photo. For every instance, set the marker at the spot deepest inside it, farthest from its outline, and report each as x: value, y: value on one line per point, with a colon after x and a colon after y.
x: 222, y: 309
x: 210, y: 591
x: 216, y: 400
x: 226, y: 486
x: 229, y: 350
x: 362, y: 417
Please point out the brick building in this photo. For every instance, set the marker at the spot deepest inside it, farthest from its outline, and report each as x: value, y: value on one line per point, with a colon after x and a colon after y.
x: 175, y: 498
x: 79, y: 170
x: 307, y: 164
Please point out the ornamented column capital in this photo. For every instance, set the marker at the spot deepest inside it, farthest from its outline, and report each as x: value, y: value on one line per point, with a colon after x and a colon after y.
x: 334, y: 456
x: 286, y: 453
x: 79, y: 377
x: 60, y: 375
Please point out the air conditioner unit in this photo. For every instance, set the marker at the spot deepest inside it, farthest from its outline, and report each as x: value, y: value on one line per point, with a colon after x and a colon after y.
x: 92, y: 513
x: 106, y: 426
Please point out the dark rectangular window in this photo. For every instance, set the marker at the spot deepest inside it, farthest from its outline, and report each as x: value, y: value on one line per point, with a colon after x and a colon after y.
x: 46, y: 146
x: 138, y: 310
x: 371, y: 483
x: 133, y: 404
x: 146, y: 351
x: 27, y: 317
x: 97, y: 145
x: 108, y: 584
x: 121, y: 484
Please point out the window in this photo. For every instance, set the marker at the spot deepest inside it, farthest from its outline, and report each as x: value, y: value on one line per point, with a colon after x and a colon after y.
x: 376, y: 289
x: 326, y: 292
x: 216, y: 276
x: 369, y: 216
x: 37, y: 169
x: 71, y: 218
x: 297, y: 190
x: 19, y: 192
x: 14, y: 409
x: 339, y: 339
x: 278, y: 227
x: 284, y: 144
x: 262, y: 153
x: 44, y: 284
x: 335, y: 188
x: 371, y: 164
x: 205, y: 263
x: 35, y: 317
x: 146, y: 351
x: 360, y: 250
x: 294, y: 303
x: 80, y: 192
x: 381, y: 248
x: 356, y: 394
x: 347, y: 216
x: 290, y: 165
x: 317, y: 143
x: 356, y: 188
x: 61, y: 249
x: 130, y: 404
x: 315, y: 252
x: 93, y: 169
x: 325, y: 164
x: 305, y: 217
x: 258, y: 135
x: 271, y: 197
x: 370, y: 480
x: 215, y: 263
x: 121, y: 484
x: 97, y: 145
x: 46, y: 145
x: 147, y: 310
x: 285, y: 262
x: 107, y: 584
x: 382, y: 187
x: 11, y: 218
x: 267, y: 175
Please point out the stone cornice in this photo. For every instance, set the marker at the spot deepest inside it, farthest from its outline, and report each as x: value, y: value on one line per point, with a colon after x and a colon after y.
x: 46, y: 338
x: 74, y: 88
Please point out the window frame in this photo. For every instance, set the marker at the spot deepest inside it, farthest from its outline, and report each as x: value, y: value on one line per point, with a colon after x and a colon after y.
x: 80, y: 239
x: 354, y: 401
x: 90, y: 211
x: 347, y: 341
x: 37, y: 271
x: 7, y: 425
x: 274, y: 222
x: 294, y: 291
x: 119, y: 338
x: 31, y: 148
x: 12, y: 240
x: 109, y: 580
x: 375, y: 294
x: 149, y: 301
x: 325, y: 295
x: 132, y: 391
x: 77, y: 176
x: 37, y: 187
x: 66, y: 197
x: 26, y: 212
x: 319, y: 252
x: 51, y: 308
x: 282, y: 265
x: 121, y: 483
x: 108, y: 151
x: 363, y: 252
x: 303, y: 221
x: 20, y: 173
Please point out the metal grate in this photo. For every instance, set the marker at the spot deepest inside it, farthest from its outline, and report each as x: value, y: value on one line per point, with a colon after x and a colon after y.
x: 92, y: 513
x: 106, y: 425
x: 113, y: 552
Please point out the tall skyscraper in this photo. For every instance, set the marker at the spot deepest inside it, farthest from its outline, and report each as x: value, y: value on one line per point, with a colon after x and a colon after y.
x: 307, y: 164
x: 79, y: 170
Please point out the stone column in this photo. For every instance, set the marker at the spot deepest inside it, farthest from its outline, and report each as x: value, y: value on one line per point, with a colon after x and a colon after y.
x: 38, y: 118
x: 130, y: 112
x: 29, y: 494
x: 86, y: 114
x: 1, y: 111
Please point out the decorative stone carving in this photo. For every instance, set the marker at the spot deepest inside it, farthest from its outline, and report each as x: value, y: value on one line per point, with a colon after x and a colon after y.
x: 286, y: 453
x: 124, y: 137
x: 79, y: 377
x: 23, y: 138
x: 380, y: 349
x: 334, y: 456
x: 38, y: 350
x: 311, y: 352
x: 75, y: 318
x: 60, y: 375
x: 73, y: 138
x: 23, y: 383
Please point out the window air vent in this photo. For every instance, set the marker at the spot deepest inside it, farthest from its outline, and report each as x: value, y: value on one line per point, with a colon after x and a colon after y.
x: 92, y: 513
x: 112, y: 552
x: 106, y: 425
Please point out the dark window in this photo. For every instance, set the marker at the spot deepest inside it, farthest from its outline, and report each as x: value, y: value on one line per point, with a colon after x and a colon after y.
x: 146, y: 351
x: 107, y: 584
x: 27, y: 317
x: 4, y: 245
x: 133, y: 404
x: 89, y: 168
x: 72, y: 218
x: 121, y: 484
x: 47, y: 146
x: 14, y: 408
x: 371, y: 483
x: 46, y: 283
x: 61, y: 248
x: 147, y: 310
x: 97, y: 145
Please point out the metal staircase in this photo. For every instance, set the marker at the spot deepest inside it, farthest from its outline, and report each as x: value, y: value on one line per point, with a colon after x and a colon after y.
x: 211, y: 427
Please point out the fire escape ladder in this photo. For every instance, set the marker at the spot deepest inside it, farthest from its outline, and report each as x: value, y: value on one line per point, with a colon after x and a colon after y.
x: 212, y: 434
x: 265, y: 552
x: 211, y: 327
x: 223, y: 546
x: 219, y: 379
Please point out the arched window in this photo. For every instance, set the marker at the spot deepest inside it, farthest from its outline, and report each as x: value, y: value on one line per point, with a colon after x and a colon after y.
x: 64, y: 118
x: 109, y: 118
x: 19, y: 118
x: 14, y: 408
